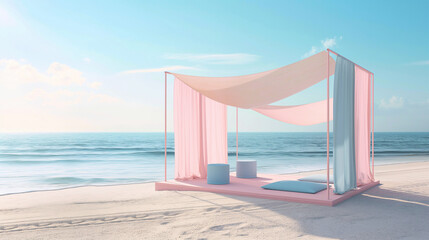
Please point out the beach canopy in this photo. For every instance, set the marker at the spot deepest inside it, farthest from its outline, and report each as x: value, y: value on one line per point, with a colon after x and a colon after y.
x: 200, y: 116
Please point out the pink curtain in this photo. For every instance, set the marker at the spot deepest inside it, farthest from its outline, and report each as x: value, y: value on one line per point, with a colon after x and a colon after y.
x: 306, y: 114
x: 362, y: 126
x: 200, y: 132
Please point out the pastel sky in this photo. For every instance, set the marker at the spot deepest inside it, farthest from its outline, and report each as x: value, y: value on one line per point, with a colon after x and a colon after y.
x: 79, y: 66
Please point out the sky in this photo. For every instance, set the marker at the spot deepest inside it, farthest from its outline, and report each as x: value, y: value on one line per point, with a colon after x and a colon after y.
x: 97, y: 66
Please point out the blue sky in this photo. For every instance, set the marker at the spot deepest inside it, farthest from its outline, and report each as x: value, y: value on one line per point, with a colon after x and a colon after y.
x: 98, y: 65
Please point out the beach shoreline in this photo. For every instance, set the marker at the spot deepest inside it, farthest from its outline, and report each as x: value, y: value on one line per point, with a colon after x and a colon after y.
x: 133, y: 211
x: 318, y: 171
x: 60, y: 160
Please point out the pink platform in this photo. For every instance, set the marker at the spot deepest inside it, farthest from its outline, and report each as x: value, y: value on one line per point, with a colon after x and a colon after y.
x: 252, y: 188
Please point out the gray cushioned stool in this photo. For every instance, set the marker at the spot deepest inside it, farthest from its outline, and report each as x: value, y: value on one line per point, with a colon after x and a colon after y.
x: 246, y: 168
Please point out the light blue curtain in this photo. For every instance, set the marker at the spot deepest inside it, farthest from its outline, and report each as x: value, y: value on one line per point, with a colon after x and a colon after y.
x: 344, y: 137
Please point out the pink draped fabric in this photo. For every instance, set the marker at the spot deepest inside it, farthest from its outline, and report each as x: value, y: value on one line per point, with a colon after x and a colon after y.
x: 260, y: 89
x: 306, y: 114
x: 200, y: 132
x: 362, y: 126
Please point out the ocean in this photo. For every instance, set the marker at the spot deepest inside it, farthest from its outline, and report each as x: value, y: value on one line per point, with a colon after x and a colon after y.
x: 45, y: 161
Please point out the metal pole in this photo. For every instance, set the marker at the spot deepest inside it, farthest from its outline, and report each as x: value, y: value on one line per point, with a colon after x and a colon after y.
x: 236, y: 134
x: 373, y: 173
x: 165, y: 129
x: 327, y: 131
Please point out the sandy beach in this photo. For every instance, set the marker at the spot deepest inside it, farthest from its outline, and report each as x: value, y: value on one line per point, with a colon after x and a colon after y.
x: 396, y: 209
x: 199, y: 120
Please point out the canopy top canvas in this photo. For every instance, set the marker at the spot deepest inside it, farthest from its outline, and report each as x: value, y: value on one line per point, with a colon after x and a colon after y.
x: 263, y: 88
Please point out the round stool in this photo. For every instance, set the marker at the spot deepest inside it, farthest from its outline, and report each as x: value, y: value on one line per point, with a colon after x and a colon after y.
x: 218, y: 173
x: 246, y: 168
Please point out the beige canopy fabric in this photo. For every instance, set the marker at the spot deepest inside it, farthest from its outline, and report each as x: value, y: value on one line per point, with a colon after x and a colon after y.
x: 260, y: 89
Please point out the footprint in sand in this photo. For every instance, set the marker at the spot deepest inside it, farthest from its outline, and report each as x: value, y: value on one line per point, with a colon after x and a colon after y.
x: 223, y: 226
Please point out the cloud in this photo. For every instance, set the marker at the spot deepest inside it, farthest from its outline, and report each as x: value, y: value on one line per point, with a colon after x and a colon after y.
x: 313, y: 51
x: 162, y: 69
x: 232, y: 58
x: 95, y: 85
x: 329, y: 42
x: 420, y: 63
x: 87, y: 60
x: 59, y: 98
x: 326, y: 43
x: 64, y: 98
x: 12, y: 71
x: 393, y: 103
x: 63, y: 75
x: 16, y: 73
x: 15, y: 77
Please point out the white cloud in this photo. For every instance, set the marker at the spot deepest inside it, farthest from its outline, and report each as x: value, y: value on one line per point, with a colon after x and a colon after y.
x: 64, y: 98
x: 153, y: 70
x: 329, y: 43
x: 326, y: 43
x: 61, y: 99
x: 312, y: 51
x: 16, y: 73
x: 12, y: 71
x: 87, y: 60
x: 392, y: 103
x: 63, y: 75
x: 231, y: 58
x: 420, y: 63
x: 15, y: 77
x: 95, y: 85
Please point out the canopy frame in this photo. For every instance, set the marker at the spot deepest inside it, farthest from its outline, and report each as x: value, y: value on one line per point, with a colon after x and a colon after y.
x: 371, y: 83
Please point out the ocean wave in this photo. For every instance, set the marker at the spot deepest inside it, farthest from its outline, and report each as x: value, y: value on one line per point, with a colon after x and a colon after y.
x: 34, y: 162
x: 280, y: 153
x: 57, y: 161
x: 401, y: 153
x: 76, y: 161
x: 91, y: 149
x: 317, y: 153
x: 81, y: 154
x: 96, y: 156
x: 80, y: 180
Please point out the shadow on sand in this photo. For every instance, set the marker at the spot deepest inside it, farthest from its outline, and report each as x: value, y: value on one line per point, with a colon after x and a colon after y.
x: 376, y: 214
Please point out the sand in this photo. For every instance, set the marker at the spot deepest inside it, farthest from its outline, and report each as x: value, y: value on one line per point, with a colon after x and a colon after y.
x: 397, y: 209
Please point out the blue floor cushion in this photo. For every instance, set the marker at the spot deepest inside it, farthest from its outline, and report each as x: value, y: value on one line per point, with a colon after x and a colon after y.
x: 318, y: 178
x: 296, y: 186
